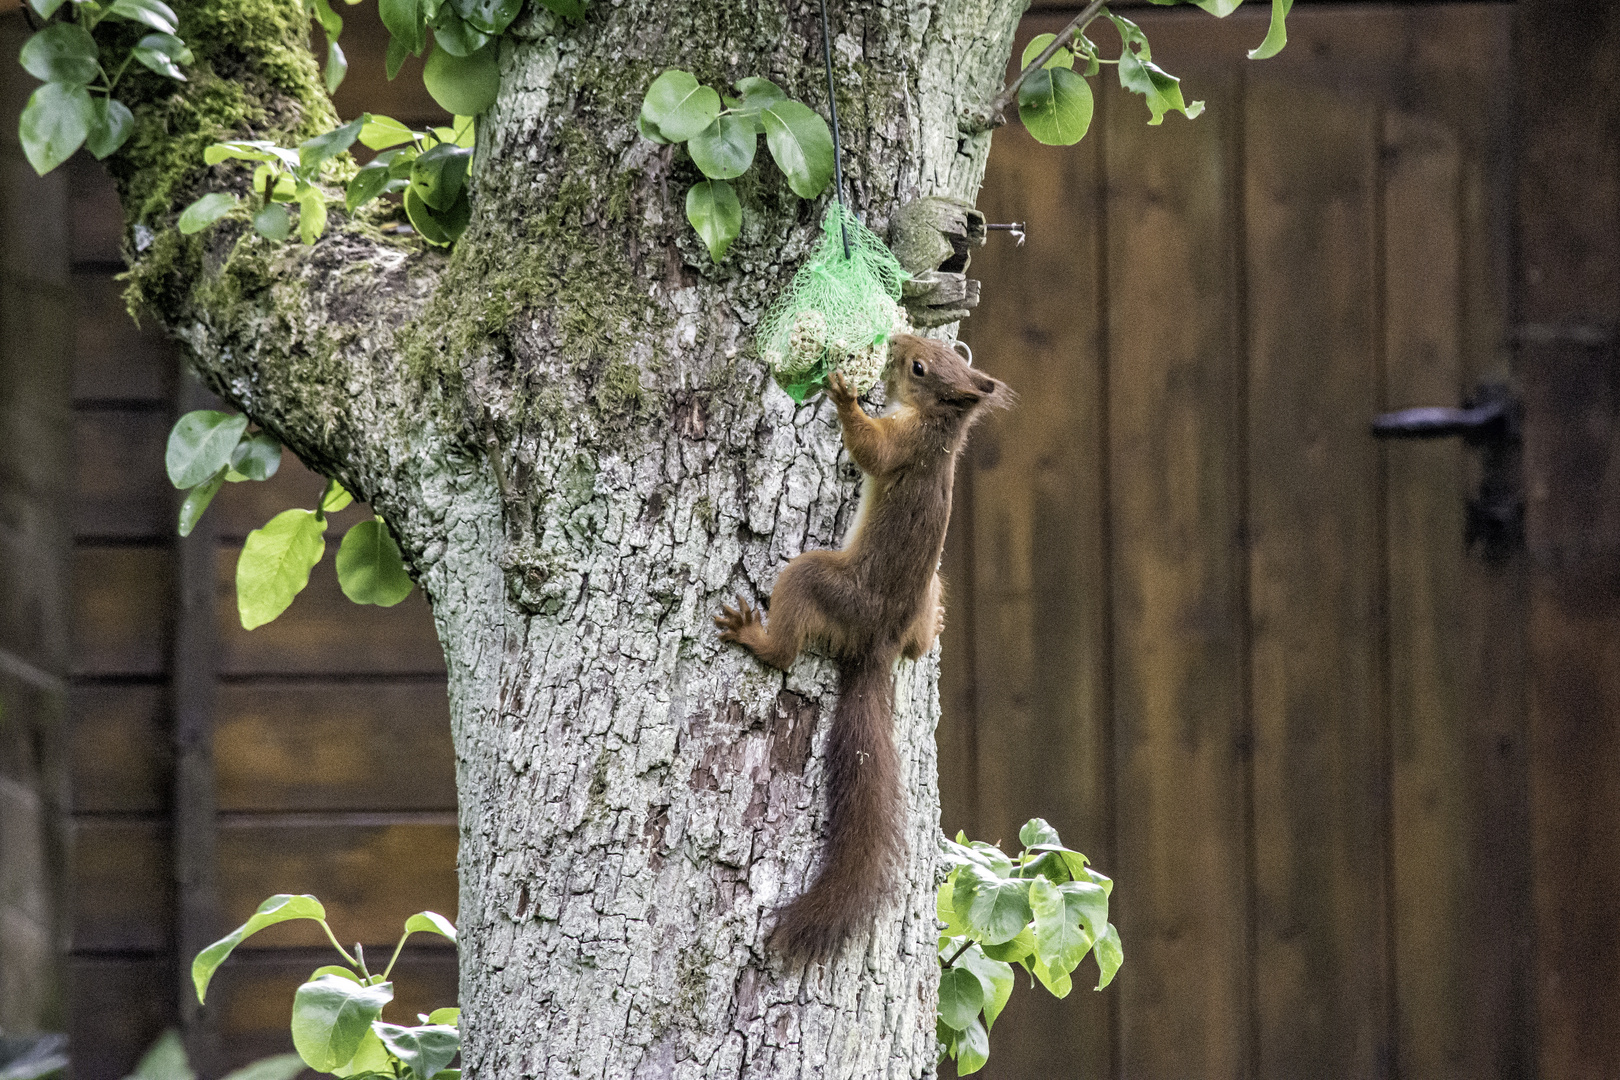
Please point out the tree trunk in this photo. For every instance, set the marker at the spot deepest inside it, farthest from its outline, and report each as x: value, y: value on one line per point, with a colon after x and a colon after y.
x: 564, y: 423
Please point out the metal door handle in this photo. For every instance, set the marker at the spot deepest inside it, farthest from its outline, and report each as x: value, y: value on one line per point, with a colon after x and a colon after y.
x: 1491, y: 415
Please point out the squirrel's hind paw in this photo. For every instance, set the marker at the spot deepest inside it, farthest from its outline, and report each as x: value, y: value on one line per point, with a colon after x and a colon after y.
x: 733, y: 622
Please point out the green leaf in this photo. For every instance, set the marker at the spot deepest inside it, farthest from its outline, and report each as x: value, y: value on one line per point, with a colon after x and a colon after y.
x: 334, y: 969
x: 406, y: 21
x: 1277, y: 35
x: 713, y: 210
x: 438, y: 228
x: 1037, y: 831
x: 370, y: 571
x: 394, y: 58
x: 489, y: 17
x: 257, y: 456
x: 431, y: 922
x: 1139, y: 74
x: 45, y: 8
x: 110, y: 127
x: 463, y: 85
x: 945, y: 908
x: 197, y: 500
x: 961, y: 996
x: 1219, y: 8
x: 455, y: 35
x: 382, y: 132
x: 54, y: 124
x: 995, y: 908
x: 278, y: 909
x: 311, y: 214
x: 1086, y: 904
x: 62, y: 53
x: 330, y: 1018
x: 165, y: 1059
x: 1015, y: 950
x: 335, y: 497
x: 725, y: 148
x: 1055, y: 105
x: 972, y: 1049
x: 757, y: 94
x: 423, y: 1050
x: 1110, y: 954
x: 678, y: 106
x: 1058, y: 982
x: 313, y: 153
x: 649, y: 130
x: 371, y: 1057
x: 337, y: 66
x: 275, y: 563
x: 330, y: 20
x: 154, y: 13
x: 200, y: 444
x: 250, y: 150
x: 439, y: 175
x: 205, y: 211
x: 801, y: 144
x: 163, y: 53
x: 370, y: 182
x: 1061, y: 942
x: 271, y: 222
x: 1063, y: 58
x: 995, y: 979
x: 279, y: 1067
x: 450, y: 1014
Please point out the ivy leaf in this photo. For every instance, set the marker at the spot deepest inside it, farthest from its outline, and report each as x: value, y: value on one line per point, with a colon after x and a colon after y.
x: 154, y: 13
x: 271, y: 222
x: 406, y: 21
x: 370, y: 570
x: 1110, y: 954
x: 110, y: 128
x: 801, y: 144
x: 1055, y: 105
x: 995, y: 979
x: 331, y: 1016
x: 278, y: 909
x: 62, y: 53
x: 463, y: 85
x: 1013, y: 951
x: 54, y: 124
x: 972, y: 1049
x: 1086, y: 904
x: 163, y: 53
x: 1277, y: 34
x: 1037, y: 831
x: 439, y: 175
x: 423, y: 1050
x: 197, y: 500
x: 945, y: 908
x: 995, y: 908
x: 200, y: 444
x: 725, y: 148
x: 258, y: 456
x: 1060, y: 942
x: 275, y: 563
x: 961, y: 996
x: 313, y: 153
x: 1058, y: 982
x: 1063, y: 58
x: 678, y: 106
x: 713, y: 210
x: 489, y: 17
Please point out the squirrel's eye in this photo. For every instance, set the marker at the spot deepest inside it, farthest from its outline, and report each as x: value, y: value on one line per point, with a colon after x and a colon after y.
x: 917, y: 368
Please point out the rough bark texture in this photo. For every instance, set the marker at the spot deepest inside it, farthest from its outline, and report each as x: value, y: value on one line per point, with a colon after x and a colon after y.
x: 565, y: 425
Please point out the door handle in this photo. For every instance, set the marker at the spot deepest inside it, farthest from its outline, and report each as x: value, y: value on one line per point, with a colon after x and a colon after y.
x: 1488, y: 420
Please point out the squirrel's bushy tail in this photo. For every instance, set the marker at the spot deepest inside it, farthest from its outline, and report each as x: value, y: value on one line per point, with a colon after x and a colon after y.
x: 865, y: 815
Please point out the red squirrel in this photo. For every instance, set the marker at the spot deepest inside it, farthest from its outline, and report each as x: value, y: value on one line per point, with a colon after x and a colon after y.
x: 878, y: 599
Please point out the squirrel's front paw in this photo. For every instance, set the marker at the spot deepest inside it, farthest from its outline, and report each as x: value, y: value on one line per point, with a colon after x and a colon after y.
x: 839, y: 390
x: 735, y: 622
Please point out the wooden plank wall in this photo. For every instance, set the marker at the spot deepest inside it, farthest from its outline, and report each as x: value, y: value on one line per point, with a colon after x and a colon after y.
x: 212, y: 767
x: 34, y: 432
x: 1234, y: 649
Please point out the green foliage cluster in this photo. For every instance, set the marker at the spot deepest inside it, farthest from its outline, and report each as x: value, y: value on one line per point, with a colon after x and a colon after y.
x: 75, y: 107
x: 1042, y: 910
x: 337, y: 1024
x: 166, y: 1060
x: 1055, y: 102
x: 206, y: 450
x: 721, y: 134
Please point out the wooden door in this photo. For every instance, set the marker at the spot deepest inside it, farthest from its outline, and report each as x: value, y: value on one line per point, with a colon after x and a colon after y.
x: 1233, y: 648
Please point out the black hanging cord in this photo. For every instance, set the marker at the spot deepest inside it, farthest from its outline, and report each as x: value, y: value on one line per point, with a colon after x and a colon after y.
x: 838, y: 147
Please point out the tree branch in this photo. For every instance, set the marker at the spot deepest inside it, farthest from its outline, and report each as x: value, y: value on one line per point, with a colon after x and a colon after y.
x: 994, y: 114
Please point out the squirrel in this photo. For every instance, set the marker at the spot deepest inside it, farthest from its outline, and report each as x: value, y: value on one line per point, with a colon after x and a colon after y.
x: 877, y: 599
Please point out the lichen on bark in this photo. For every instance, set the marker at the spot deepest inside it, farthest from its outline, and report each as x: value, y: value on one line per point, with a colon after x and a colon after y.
x: 565, y: 425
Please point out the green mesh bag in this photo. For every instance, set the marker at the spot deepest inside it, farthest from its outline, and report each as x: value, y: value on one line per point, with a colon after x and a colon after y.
x: 838, y: 314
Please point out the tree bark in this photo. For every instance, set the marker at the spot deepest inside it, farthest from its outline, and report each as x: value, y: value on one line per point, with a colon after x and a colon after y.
x: 564, y: 424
